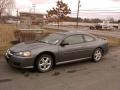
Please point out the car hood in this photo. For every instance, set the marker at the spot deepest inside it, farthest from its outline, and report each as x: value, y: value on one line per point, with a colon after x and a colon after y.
x: 26, y: 46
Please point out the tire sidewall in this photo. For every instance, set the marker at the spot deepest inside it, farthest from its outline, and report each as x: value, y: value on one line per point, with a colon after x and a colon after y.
x: 93, y: 57
x: 38, y: 60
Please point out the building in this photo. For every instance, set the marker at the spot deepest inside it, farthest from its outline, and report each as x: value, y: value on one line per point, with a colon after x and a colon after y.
x: 31, y: 20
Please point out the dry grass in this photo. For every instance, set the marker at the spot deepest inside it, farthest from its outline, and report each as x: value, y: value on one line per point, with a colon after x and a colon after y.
x: 6, y: 35
x: 113, y: 41
x: 74, y: 24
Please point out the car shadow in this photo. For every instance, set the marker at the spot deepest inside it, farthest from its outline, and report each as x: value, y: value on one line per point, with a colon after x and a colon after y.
x: 57, y: 70
x: 56, y: 67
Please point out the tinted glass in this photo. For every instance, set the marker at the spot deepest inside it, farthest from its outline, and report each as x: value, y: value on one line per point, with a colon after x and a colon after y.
x: 75, y: 39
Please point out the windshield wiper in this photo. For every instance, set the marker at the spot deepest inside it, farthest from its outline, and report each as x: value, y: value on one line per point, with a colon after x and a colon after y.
x: 44, y: 42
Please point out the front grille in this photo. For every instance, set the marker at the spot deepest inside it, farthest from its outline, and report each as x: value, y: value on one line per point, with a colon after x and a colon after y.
x: 9, y: 55
x: 16, y: 63
x: 11, y: 52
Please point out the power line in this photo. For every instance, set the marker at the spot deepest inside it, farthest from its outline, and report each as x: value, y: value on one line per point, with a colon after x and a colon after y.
x: 94, y: 12
x: 97, y: 10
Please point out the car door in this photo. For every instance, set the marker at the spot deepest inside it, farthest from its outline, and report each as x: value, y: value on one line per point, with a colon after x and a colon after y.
x: 74, y: 50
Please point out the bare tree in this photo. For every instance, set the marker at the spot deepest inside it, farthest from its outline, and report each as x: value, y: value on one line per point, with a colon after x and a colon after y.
x: 5, y: 4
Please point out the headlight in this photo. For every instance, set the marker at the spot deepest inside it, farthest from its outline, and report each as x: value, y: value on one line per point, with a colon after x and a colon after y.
x: 8, y: 51
x: 24, y: 54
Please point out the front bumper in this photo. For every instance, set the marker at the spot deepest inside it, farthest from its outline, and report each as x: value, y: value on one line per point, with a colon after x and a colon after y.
x: 18, y: 61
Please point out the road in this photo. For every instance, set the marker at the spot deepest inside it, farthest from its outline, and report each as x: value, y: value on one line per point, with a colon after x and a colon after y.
x: 115, y: 33
x: 84, y: 75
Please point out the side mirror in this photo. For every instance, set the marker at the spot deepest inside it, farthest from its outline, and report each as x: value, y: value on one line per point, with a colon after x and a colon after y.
x: 64, y: 44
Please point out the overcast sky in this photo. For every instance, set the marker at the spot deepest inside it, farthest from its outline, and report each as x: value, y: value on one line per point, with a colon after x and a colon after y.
x: 96, y: 7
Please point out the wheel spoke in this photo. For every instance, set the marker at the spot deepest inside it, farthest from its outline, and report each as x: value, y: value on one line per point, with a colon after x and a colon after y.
x: 45, y: 63
x: 47, y: 60
x: 97, y: 55
x: 41, y: 64
x: 45, y: 67
x: 48, y: 64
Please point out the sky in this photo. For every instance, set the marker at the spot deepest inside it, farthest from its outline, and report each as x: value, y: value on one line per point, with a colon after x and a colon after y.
x: 88, y: 9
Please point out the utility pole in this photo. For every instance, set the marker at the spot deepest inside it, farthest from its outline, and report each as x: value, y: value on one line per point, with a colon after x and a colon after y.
x: 78, y: 13
x: 17, y: 17
x: 34, y: 6
x: 58, y: 16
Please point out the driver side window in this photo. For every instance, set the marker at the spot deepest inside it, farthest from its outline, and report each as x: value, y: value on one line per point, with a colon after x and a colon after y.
x: 74, y: 39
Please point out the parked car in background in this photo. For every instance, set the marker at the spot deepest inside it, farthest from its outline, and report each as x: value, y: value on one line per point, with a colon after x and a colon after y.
x: 57, y: 48
x: 105, y: 25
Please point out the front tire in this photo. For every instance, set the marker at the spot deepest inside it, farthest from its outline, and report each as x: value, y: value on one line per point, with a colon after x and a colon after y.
x: 97, y: 55
x: 44, y: 63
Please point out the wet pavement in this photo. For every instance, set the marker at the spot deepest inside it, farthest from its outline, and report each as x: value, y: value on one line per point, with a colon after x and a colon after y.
x: 84, y: 75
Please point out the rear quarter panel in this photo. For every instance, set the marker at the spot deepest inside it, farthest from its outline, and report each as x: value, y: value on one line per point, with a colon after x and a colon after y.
x: 103, y: 44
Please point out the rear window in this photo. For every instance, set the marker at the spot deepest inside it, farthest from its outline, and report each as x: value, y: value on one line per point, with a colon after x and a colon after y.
x: 74, y: 39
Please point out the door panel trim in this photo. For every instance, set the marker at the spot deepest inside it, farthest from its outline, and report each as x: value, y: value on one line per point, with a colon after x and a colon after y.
x: 58, y: 63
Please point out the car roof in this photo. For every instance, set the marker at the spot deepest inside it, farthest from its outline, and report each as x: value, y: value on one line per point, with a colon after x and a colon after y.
x: 73, y: 33
x: 69, y: 33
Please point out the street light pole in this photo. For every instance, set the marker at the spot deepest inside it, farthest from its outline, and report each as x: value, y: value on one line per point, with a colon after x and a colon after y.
x: 78, y: 13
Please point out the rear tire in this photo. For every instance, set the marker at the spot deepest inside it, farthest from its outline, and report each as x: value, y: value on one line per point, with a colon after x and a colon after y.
x: 44, y: 63
x: 97, y: 55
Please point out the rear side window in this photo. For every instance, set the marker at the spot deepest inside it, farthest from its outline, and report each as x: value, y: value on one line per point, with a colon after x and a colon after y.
x: 89, y: 38
x: 74, y: 39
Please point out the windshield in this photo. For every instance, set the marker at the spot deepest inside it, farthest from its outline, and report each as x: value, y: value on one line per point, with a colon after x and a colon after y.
x: 52, y: 38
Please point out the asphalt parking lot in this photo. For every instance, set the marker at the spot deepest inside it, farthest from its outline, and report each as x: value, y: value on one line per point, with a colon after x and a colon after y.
x: 84, y: 75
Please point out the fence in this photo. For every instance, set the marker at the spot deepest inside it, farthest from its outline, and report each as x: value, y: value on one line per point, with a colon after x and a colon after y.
x: 28, y: 34
x: 7, y: 38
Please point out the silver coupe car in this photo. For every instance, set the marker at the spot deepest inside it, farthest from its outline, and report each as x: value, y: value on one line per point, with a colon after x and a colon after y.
x: 57, y: 48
